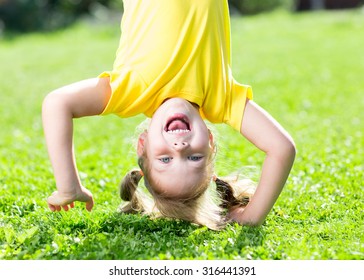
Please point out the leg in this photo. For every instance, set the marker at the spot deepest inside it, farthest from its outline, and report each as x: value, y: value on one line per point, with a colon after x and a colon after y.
x: 85, y: 98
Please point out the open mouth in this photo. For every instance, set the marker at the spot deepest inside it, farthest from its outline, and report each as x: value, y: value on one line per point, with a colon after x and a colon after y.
x: 178, y: 123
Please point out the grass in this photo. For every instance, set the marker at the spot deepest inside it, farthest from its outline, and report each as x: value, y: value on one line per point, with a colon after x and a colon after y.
x: 306, y: 70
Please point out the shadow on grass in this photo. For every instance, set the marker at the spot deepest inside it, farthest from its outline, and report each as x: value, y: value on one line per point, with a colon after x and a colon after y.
x: 113, y: 236
x: 122, y: 236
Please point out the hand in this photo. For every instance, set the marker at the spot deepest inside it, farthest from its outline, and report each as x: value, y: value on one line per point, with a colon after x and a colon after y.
x: 236, y: 214
x: 244, y: 216
x: 59, y: 200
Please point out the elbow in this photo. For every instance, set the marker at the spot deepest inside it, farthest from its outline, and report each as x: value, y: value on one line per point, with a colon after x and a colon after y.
x: 49, y: 103
x: 54, y: 103
x: 48, y: 107
x: 289, y: 148
x: 284, y: 149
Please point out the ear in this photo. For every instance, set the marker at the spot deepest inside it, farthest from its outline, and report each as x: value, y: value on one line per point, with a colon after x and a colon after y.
x: 211, y: 140
x: 141, y: 142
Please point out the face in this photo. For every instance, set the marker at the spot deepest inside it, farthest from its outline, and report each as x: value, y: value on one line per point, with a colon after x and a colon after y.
x: 178, y: 146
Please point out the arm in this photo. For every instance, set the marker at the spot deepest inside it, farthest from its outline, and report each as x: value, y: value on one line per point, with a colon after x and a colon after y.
x: 267, y: 135
x: 85, y: 98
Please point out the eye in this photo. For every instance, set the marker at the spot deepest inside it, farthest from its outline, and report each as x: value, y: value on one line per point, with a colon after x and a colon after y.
x: 194, y: 158
x: 165, y: 159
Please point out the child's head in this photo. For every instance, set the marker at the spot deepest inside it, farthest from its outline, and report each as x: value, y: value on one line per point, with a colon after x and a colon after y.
x: 177, y: 150
x: 176, y: 157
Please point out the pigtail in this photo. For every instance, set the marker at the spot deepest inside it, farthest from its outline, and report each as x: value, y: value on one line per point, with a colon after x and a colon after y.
x: 137, y: 201
x: 226, y: 193
x: 232, y: 196
x: 129, y: 184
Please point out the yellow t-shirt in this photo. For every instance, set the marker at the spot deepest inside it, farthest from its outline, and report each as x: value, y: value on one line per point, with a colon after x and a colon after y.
x: 176, y: 48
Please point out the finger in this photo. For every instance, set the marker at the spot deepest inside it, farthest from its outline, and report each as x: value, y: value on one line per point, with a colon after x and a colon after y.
x: 51, y: 207
x: 90, y: 205
x: 52, y: 200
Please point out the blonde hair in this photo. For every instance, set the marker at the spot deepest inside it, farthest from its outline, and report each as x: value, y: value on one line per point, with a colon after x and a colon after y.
x: 205, y: 206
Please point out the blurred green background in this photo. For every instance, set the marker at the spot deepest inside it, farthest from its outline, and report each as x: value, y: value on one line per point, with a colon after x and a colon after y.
x: 30, y: 15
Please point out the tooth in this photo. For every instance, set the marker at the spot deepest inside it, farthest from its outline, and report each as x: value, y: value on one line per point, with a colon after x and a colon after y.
x: 178, y: 131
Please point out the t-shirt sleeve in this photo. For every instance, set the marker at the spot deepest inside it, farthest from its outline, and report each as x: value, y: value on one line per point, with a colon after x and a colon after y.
x: 236, y: 105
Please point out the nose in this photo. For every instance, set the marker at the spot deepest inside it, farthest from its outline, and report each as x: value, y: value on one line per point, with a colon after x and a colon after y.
x: 180, y: 146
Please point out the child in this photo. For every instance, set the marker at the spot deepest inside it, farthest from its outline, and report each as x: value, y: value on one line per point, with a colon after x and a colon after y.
x: 173, y: 65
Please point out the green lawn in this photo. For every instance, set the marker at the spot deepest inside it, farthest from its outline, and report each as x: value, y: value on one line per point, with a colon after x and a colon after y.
x: 305, y: 69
